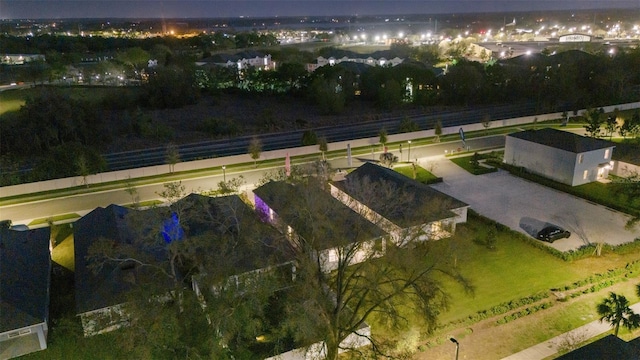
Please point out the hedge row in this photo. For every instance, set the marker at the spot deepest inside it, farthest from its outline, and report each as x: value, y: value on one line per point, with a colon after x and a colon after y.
x: 627, y: 271
x: 524, y: 312
x: 499, y: 309
x: 597, y: 287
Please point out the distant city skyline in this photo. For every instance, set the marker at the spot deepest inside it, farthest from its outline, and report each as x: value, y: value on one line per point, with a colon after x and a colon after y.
x: 60, y: 9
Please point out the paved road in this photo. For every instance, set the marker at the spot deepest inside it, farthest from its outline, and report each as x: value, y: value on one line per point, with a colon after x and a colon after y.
x: 527, y: 207
x: 83, y: 203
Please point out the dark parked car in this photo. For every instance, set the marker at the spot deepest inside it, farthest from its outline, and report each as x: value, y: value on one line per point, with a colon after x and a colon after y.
x: 552, y: 233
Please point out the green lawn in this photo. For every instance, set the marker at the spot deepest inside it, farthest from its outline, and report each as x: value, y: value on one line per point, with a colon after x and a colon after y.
x: 63, y: 254
x: 465, y: 163
x: 12, y: 100
x: 422, y: 175
x: 512, y: 271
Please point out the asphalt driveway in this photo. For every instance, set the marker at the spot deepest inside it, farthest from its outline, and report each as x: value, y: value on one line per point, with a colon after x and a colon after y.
x: 527, y: 207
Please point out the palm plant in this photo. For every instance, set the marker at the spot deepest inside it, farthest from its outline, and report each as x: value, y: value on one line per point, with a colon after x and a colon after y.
x: 616, y: 311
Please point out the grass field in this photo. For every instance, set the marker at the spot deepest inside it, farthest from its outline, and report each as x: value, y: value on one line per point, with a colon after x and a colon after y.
x: 422, y: 175
x: 12, y: 100
x: 511, y: 271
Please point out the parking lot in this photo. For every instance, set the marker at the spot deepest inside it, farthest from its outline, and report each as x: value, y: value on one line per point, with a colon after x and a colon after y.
x: 527, y: 207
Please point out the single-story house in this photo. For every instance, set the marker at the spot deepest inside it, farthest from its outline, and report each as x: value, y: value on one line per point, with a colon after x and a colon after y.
x: 311, y: 218
x: 561, y: 156
x: 100, y: 296
x: 245, y: 247
x: 25, y: 278
x: 404, y: 207
x: 103, y: 287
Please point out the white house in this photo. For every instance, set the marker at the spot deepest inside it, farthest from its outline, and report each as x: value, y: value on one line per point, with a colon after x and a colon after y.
x: 331, y: 61
x: 25, y: 268
x: 241, y: 61
x: 277, y: 202
x: 417, y: 211
x: 560, y: 155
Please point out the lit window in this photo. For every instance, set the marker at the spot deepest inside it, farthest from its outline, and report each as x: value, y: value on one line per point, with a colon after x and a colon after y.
x: 580, y: 158
x: 606, y: 154
x: 585, y: 174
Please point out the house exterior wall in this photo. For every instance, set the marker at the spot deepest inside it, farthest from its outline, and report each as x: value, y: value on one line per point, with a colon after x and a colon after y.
x: 329, y: 258
x: 556, y: 164
x: 401, y: 236
x: 318, y: 350
x: 23, y: 341
x: 553, y: 163
x: 104, y: 320
x: 624, y: 169
x: 591, y: 166
x: 461, y: 214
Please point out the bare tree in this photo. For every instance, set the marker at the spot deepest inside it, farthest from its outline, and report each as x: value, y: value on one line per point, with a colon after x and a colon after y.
x: 383, y: 138
x: 438, y: 130
x: 486, y: 123
x: 172, y: 156
x: 133, y: 192
x: 255, y: 148
x: 365, y: 280
x: 322, y: 146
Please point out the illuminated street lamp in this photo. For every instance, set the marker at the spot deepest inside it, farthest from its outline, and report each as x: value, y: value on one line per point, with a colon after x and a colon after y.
x: 457, y: 346
x: 224, y: 173
x: 409, y: 153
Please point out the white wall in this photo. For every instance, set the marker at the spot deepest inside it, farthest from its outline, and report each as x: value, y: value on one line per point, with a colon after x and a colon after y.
x: 550, y: 162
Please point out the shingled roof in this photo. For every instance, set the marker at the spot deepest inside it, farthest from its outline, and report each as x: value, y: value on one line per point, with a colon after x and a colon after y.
x: 422, y: 204
x: 25, y: 268
x: 562, y: 140
x: 107, y: 288
x: 316, y: 215
x: 250, y: 245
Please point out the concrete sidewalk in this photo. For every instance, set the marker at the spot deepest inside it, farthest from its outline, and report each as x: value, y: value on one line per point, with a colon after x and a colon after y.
x: 552, y: 346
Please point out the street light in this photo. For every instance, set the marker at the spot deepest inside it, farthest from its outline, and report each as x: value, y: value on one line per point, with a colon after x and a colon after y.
x: 409, y: 153
x: 224, y: 173
x: 457, y: 346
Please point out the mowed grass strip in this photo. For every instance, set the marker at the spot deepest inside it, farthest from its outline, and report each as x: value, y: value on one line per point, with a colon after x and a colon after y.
x: 422, y: 175
x: 512, y: 271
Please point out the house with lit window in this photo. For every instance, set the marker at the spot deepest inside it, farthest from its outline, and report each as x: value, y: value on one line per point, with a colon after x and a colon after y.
x: 244, y: 248
x: 332, y: 230
x: 407, y: 209
x: 25, y: 278
x: 561, y: 156
x: 240, y: 61
x: 370, y: 61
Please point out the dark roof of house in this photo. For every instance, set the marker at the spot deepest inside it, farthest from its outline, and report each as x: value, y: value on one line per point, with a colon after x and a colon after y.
x: 25, y: 268
x: 198, y: 216
x: 627, y: 152
x: 421, y: 204
x: 562, y: 140
x: 244, y: 242
x: 315, y: 215
x: 109, y: 286
x: 609, y: 347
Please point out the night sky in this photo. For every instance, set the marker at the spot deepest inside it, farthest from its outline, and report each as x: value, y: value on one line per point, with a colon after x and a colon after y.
x: 15, y: 9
